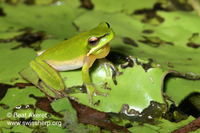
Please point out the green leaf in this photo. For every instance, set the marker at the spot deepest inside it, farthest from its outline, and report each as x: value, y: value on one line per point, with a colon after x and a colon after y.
x: 22, y: 96
x: 178, y: 88
x: 126, y: 6
x: 135, y: 87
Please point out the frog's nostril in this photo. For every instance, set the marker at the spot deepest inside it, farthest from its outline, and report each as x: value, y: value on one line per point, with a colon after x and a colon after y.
x: 108, y: 25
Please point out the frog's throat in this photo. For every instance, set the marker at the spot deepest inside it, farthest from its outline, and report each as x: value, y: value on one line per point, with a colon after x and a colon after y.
x: 96, y: 49
x: 101, y: 53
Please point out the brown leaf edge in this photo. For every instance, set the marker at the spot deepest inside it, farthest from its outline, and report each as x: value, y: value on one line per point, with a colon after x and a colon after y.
x: 88, y: 115
x: 194, y: 125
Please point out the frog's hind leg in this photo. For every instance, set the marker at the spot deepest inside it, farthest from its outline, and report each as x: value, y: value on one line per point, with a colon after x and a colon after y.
x: 48, y: 75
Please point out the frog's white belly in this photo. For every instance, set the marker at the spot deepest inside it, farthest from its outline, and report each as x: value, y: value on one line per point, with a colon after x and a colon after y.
x: 67, y: 65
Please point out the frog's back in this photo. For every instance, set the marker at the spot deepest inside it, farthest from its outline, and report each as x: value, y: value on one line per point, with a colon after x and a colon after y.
x: 66, y: 50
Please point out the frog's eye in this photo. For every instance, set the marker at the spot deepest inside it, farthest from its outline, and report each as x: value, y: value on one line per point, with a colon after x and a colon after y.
x: 93, y: 41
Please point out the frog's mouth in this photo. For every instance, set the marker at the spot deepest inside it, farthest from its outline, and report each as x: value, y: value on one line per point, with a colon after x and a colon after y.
x: 96, y: 50
x: 102, y: 52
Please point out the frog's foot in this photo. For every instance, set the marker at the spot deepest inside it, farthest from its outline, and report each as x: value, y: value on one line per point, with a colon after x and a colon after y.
x: 91, y: 90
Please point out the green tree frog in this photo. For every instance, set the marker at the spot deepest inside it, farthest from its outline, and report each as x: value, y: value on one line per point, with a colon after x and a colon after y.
x: 79, y: 51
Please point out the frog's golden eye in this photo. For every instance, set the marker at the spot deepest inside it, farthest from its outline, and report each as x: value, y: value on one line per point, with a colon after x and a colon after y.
x: 93, y: 41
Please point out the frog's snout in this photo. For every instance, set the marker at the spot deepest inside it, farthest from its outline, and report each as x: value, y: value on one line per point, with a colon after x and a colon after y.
x: 108, y: 25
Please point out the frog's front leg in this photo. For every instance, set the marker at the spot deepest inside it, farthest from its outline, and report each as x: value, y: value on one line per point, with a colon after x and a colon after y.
x: 91, y: 89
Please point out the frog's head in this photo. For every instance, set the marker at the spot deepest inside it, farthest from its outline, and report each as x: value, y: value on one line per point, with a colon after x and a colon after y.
x: 99, y: 38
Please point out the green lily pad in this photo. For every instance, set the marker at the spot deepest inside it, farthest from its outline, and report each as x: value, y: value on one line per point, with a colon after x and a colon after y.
x: 126, y: 6
x: 174, y: 85
x: 169, y: 127
x: 14, y: 100
x: 131, y: 90
x: 22, y: 95
x: 43, y: 18
x: 17, y: 129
